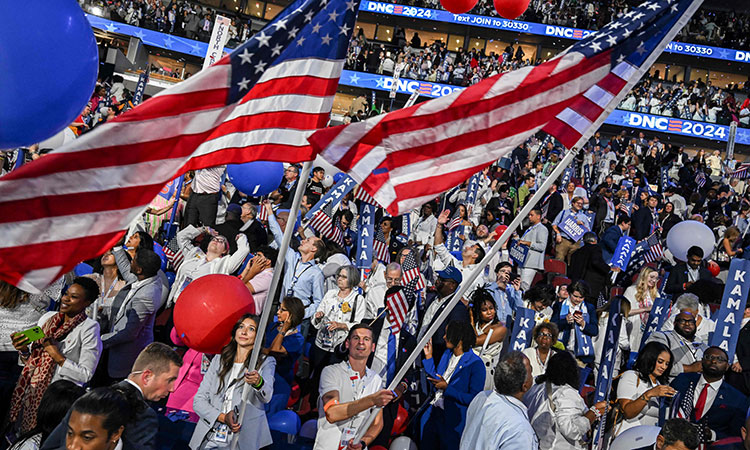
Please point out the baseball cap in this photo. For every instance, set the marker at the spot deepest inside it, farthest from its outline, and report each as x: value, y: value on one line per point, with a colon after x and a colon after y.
x: 451, y: 273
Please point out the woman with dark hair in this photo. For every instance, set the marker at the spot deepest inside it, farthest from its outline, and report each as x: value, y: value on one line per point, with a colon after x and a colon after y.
x: 668, y: 218
x: 110, y: 281
x: 639, y: 389
x: 458, y: 379
x: 576, y: 320
x: 284, y: 342
x: 55, y: 404
x: 98, y: 420
x: 220, y: 393
x: 138, y: 240
x: 558, y: 413
x: 69, y: 350
x: 544, y: 336
x: 490, y: 332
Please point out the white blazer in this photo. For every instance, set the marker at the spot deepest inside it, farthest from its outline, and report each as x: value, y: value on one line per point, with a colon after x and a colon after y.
x: 82, y: 348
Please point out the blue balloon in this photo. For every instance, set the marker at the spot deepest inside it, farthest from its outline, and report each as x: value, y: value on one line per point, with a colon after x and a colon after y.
x: 160, y: 251
x: 338, y: 177
x: 48, y: 68
x: 256, y: 178
x: 83, y: 269
x: 285, y: 421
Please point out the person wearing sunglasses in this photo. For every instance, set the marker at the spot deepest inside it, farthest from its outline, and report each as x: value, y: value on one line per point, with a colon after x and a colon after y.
x: 545, y: 336
x: 716, y: 408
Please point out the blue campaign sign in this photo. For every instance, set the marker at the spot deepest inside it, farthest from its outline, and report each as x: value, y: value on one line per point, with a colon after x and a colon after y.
x: 574, y: 231
x: 522, y: 329
x: 656, y: 318
x: 471, y: 191
x: 623, y: 252
x: 498, y: 23
x: 335, y: 195
x: 518, y: 253
x: 607, y: 363
x: 366, y: 226
x: 729, y: 318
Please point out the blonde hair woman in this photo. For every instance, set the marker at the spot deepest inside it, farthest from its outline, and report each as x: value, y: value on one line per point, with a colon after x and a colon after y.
x: 641, y: 296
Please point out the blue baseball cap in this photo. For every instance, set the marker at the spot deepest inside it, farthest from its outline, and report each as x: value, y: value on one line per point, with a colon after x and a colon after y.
x: 451, y: 273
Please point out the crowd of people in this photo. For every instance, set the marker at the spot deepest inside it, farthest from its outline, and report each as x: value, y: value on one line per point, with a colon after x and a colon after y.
x: 331, y: 349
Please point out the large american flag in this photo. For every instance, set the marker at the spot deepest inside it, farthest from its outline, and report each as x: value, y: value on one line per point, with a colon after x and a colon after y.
x: 261, y: 102
x: 397, y: 305
x: 407, y: 157
x: 323, y: 222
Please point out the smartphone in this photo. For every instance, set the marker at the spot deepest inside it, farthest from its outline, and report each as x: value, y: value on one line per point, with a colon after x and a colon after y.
x: 33, y: 334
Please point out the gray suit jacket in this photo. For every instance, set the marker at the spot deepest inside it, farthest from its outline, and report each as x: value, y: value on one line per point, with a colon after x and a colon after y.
x: 254, y: 432
x: 131, y: 325
x: 537, y: 235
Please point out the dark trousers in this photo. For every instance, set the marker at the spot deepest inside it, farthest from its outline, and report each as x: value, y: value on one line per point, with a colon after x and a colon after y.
x: 201, y: 209
x: 9, y: 373
x: 319, y: 359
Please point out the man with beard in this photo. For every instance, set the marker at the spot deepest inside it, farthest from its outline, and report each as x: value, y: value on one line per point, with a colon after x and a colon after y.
x: 716, y: 408
x: 686, y: 350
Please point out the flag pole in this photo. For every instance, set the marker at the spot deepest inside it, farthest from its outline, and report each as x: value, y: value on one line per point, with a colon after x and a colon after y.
x: 530, y: 204
x: 275, y: 280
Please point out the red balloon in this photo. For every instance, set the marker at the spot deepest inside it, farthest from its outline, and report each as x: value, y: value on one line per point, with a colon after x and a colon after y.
x: 459, y: 6
x: 714, y: 268
x: 510, y: 9
x: 399, y: 423
x: 208, y: 308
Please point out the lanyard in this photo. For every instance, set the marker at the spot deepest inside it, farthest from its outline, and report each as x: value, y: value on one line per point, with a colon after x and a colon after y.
x: 296, y: 277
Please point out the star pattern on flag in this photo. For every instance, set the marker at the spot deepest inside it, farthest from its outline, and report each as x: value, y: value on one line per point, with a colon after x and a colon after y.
x: 110, y: 27
x: 354, y: 79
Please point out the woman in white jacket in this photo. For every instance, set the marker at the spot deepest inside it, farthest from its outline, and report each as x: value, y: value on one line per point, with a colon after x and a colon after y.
x: 69, y: 350
x: 563, y: 420
x: 219, y: 396
x: 197, y: 263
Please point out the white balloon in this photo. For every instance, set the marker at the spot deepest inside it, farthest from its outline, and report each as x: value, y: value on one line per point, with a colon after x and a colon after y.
x: 403, y: 443
x: 687, y: 234
x: 637, y: 437
x: 63, y: 137
x: 327, y: 181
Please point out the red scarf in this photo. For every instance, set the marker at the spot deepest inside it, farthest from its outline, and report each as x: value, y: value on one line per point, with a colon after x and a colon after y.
x: 37, y: 373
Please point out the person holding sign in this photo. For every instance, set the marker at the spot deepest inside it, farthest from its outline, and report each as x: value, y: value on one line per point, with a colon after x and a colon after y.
x: 535, y: 238
x: 576, y: 320
x: 569, y: 227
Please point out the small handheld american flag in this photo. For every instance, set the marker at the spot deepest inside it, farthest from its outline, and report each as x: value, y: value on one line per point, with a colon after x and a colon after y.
x: 380, y: 248
x: 411, y: 272
x: 398, y: 306
x: 323, y: 222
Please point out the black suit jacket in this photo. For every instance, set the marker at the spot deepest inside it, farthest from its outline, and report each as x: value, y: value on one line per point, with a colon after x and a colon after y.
x: 678, y: 276
x: 140, y: 434
x: 555, y: 206
x: 405, y: 345
x: 642, y: 221
x: 727, y: 413
x: 460, y: 312
x: 256, y: 236
x: 587, y: 264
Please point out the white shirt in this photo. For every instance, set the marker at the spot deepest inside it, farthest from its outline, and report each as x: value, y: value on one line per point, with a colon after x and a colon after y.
x: 631, y: 387
x: 495, y: 421
x: 713, y: 389
x: 350, y: 386
x: 208, y: 181
x: 424, y: 231
x: 430, y: 314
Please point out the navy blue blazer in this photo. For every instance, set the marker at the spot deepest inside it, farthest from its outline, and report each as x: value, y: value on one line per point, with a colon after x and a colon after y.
x: 610, y: 238
x: 591, y: 328
x: 727, y: 413
x: 465, y: 383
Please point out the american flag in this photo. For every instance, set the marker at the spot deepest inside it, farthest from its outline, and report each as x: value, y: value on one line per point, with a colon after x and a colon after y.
x: 262, y: 213
x: 741, y: 171
x: 411, y: 272
x: 173, y: 253
x: 407, y: 157
x: 380, y: 248
x: 323, y: 222
x: 361, y: 194
x: 398, y: 307
x: 700, y: 179
x: 261, y: 102
x: 647, y: 251
x: 455, y: 222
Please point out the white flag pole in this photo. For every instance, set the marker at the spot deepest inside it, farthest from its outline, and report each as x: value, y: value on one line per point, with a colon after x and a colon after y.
x: 562, y: 165
x: 275, y: 280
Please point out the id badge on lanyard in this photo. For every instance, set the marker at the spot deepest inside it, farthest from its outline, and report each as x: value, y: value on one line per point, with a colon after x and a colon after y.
x: 347, y: 434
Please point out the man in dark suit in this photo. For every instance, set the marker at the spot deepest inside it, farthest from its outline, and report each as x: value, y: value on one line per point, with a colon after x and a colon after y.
x: 587, y: 264
x: 404, y: 345
x: 552, y: 203
x: 447, y: 282
x: 715, y: 407
x: 231, y: 226
x: 645, y: 219
x: 253, y: 229
x: 684, y: 274
x: 612, y: 236
x: 151, y: 379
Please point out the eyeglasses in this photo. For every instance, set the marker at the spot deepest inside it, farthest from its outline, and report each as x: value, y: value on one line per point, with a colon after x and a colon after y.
x: 714, y: 358
x: 688, y: 321
x: 545, y: 334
